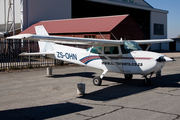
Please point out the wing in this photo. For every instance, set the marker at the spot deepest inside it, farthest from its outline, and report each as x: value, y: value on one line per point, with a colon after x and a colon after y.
x: 85, y: 41
x: 153, y: 41
x: 150, y: 42
x: 66, y: 40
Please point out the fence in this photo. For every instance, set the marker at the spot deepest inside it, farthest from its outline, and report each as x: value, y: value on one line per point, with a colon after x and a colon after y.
x: 10, y: 59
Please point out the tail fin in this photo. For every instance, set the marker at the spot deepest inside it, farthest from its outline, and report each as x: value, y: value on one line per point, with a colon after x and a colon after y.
x: 44, y: 46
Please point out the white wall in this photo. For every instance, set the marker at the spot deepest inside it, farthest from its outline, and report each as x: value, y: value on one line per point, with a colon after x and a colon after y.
x: 158, y: 18
x: 177, y: 45
x: 40, y: 10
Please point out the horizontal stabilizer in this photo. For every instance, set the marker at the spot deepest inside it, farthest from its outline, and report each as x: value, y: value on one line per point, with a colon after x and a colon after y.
x: 36, y: 54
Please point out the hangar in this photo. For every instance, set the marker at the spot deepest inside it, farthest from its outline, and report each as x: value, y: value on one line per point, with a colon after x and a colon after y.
x: 106, y: 27
x: 153, y: 22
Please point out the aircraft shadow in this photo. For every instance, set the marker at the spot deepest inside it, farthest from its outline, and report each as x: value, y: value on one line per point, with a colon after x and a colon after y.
x: 42, y: 112
x: 130, y: 87
x: 86, y: 74
x: 125, y: 87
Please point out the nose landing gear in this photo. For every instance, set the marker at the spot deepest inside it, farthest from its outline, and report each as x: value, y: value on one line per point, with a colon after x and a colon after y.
x: 147, y: 81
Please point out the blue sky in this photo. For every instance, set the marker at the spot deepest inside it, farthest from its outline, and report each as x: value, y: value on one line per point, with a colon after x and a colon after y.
x: 173, y: 6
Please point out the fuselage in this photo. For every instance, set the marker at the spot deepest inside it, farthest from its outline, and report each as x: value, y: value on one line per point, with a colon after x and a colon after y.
x: 135, y: 62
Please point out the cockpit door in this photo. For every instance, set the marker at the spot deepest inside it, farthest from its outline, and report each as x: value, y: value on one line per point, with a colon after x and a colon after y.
x: 113, y: 52
x: 128, y: 61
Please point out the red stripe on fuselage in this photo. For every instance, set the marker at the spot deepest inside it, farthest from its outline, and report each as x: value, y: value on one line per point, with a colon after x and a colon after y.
x: 112, y: 57
x: 89, y: 58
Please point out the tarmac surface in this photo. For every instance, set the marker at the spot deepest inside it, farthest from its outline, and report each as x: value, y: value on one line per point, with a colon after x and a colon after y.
x: 32, y: 95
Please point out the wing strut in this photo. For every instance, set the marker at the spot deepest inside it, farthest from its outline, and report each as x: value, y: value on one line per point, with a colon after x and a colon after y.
x: 148, y: 47
x: 108, y: 58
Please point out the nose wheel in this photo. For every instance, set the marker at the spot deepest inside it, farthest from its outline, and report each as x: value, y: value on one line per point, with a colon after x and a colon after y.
x: 146, y: 82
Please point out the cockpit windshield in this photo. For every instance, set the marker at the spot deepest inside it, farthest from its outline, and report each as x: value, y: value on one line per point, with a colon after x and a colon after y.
x: 129, y: 46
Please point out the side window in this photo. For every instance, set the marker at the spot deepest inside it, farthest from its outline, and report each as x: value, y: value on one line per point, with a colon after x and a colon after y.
x: 93, y: 50
x: 111, y: 50
x: 158, y: 29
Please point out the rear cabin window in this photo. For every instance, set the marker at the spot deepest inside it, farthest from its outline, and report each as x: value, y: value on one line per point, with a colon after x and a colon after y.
x: 111, y: 50
x: 107, y: 50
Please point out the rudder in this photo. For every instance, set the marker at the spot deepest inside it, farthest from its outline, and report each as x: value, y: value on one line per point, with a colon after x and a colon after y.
x: 43, y: 46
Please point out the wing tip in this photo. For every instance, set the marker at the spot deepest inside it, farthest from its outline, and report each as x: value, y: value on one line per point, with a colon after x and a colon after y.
x: 20, y: 36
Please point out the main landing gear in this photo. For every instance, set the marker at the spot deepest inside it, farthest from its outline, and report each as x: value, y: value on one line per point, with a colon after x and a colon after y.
x: 98, y: 79
x: 128, y: 76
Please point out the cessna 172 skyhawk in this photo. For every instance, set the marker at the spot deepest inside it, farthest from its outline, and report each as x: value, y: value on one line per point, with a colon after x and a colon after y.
x: 119, y: 56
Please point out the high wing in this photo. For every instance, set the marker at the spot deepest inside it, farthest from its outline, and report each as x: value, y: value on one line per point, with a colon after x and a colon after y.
x: 66, y: 40
x: 153, y: 41
x: 85, y: 41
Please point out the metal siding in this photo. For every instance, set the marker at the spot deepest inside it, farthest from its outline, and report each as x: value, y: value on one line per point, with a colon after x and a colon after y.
x: 159, y: 18
x: 38, y: 10
x: 17, y: 11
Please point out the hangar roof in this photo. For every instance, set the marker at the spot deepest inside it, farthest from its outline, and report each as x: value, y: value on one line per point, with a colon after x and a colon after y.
x: 80, y: 25
x: 138, y: 4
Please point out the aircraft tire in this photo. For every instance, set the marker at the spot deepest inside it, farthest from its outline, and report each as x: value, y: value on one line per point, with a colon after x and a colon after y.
x: 128, y: 76
x: 147, y: 82
x: 97, y: 81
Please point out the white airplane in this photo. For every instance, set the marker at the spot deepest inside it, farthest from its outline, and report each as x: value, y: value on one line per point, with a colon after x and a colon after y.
x: 119, y: 56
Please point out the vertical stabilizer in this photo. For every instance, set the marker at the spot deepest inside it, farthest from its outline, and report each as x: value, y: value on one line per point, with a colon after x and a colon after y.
x: 43, y: 46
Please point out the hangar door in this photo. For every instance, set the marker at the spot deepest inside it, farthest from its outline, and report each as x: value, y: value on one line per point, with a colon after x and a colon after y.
x: 84, y: 8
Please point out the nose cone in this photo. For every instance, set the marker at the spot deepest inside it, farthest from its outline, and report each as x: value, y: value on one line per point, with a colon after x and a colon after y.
x: 164, y: 59
x: 168, y: 59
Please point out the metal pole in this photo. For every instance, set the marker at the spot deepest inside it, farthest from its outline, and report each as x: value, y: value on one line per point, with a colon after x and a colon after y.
x: 14, y: 47
x: 21, y: 9
x: 13, y: 18
x: 5, y: 12
x: 9, y: 6
x: 28, y: 26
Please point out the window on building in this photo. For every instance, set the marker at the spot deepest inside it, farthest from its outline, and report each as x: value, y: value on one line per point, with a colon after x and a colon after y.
x: 127, y: 37
x: 89, y: 36
x: 158, y: 29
